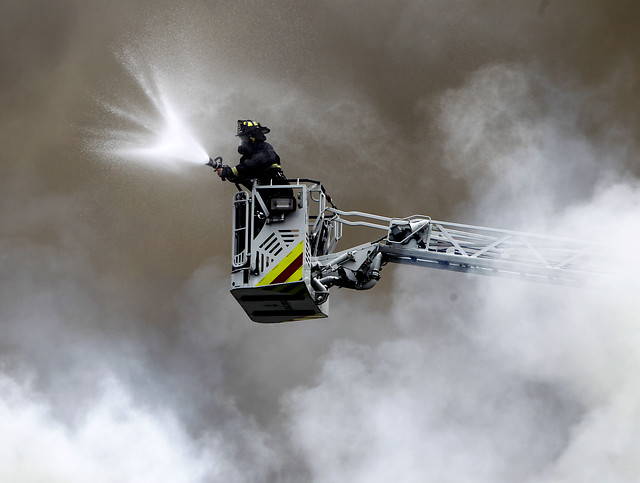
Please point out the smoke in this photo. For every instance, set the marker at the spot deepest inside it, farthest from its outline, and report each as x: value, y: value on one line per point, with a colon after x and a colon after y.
x: 90, y: 392
x: 124, y: 357
x: 36, y: 446
x: 499, y: 381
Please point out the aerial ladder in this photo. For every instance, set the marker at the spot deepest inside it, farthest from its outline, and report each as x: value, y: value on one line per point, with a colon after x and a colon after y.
x: 284, y: 261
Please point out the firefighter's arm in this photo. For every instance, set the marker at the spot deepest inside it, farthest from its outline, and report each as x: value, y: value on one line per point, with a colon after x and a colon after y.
x: 255, y: 164
x: 226, y: 172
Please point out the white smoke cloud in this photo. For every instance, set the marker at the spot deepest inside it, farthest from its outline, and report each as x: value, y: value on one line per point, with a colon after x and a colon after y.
x: 111, y: 438
x: 81, y: 402
x: 498, y: 380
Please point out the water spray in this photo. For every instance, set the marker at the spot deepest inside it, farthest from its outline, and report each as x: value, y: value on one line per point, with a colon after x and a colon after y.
x: 159, y: 136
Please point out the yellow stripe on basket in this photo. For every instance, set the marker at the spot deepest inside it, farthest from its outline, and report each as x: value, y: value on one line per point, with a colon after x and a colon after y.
x: 282, y: 266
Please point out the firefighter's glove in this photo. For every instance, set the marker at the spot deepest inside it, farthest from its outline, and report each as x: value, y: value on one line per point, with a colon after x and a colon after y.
x: 225, y: 173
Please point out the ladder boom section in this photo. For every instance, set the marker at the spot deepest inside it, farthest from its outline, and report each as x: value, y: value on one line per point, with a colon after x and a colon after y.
x: 419, y: 240
x: 488, y: 251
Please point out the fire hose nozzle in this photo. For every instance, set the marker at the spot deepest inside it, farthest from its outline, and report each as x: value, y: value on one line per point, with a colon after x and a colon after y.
x: 215, y: 163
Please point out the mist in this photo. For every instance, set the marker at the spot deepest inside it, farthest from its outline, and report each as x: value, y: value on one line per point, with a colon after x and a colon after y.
x: 123, y: 355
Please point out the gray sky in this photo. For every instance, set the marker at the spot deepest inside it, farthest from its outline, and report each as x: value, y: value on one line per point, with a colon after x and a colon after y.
x: 121, y: 345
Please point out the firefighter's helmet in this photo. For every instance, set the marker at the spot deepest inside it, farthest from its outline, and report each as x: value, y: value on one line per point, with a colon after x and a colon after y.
x: 250, y: 128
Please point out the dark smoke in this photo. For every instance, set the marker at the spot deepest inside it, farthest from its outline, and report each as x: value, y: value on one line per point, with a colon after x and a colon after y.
x: 122, y: 354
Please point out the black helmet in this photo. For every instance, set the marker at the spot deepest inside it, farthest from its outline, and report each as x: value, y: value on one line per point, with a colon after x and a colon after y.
x: 251, y: 128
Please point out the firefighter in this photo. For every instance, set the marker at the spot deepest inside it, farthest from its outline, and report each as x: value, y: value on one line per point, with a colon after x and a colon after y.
x: 259, y: 161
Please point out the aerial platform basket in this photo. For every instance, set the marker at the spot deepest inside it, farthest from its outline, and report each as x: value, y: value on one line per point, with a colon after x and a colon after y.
x: 276, y: 231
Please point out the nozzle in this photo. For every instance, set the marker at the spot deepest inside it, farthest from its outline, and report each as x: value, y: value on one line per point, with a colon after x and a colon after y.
x: 215, y: 163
